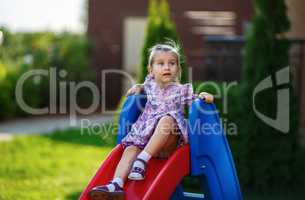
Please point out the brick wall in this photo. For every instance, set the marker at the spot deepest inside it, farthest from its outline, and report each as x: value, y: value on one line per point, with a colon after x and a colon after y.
x: 106, y: 25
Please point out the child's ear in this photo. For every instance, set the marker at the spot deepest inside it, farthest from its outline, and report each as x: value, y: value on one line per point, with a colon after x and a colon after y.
x: 149, y: 70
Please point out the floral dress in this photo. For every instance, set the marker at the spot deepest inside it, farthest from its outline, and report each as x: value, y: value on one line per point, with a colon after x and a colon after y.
x: 170, y: 100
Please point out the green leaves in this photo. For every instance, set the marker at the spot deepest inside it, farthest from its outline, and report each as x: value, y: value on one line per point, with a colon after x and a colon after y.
x: 267, y: 163
x: 22, y: 52
x: 160, y: 29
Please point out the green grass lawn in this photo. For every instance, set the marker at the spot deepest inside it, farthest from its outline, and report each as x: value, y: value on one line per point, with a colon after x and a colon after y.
x: 58, y: 166
x: 53, y: 167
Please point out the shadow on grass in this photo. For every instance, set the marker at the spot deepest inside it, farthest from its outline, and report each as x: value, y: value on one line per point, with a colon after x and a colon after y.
x: 106, y: 137
x: 74, y: 195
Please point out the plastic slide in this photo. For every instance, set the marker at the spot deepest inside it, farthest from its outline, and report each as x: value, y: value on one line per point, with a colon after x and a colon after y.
x: 207, y: 157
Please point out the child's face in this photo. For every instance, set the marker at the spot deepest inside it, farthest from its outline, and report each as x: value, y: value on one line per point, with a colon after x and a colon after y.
x: 164, y: 68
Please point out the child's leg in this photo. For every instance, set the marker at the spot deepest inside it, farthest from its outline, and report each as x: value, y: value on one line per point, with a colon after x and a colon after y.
x: 160, y: 137
x: 115, y: 187
x: 169, y: 147
x: 163, y: 134
x: 128, y: 156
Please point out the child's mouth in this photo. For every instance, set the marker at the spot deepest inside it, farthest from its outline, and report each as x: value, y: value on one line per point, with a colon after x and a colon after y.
x: 166, y: 74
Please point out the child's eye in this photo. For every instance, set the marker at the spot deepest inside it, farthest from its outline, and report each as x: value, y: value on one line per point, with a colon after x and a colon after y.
x: 160, y: 64
x: 172, y: 64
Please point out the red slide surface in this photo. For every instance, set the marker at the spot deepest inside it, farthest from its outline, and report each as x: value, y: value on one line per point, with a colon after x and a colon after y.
x: 162, y: 176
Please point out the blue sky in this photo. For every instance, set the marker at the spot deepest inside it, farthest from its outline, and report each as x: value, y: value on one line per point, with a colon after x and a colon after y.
x: 38, y: 15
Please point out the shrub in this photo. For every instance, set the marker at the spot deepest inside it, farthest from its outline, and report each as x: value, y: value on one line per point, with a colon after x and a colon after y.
x: 21, y: 52
x: 160, y: 28
x: 268, y: 157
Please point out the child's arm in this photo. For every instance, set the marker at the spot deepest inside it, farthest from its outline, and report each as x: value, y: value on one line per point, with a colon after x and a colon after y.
x: 135, y: 89
x: 139, y: 88
x: 188, y: 96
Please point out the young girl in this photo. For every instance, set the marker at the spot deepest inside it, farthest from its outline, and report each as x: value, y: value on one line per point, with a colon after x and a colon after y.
x: 161, y: 128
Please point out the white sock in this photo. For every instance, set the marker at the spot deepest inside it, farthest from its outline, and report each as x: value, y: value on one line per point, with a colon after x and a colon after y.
x: 144, y: 156
x: 118, y: 180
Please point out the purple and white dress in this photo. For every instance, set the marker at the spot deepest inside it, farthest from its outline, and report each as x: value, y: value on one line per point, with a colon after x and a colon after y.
x: 160, y: 102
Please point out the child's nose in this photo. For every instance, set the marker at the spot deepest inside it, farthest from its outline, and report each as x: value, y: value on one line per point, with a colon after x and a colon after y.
x: 166, y: 66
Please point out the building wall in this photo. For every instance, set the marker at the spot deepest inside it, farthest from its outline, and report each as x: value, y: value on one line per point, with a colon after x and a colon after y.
x: 297, y: 17
x: 105, y: 28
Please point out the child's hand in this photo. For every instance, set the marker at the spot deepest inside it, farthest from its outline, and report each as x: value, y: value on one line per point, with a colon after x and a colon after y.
x: 136, y: 89
x: 207, y: 97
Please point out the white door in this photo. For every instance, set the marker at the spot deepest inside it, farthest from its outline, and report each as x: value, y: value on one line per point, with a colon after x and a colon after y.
x: 133, y: 38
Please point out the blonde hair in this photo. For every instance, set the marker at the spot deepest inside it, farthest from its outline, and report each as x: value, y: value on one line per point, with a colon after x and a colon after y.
x: 169, y: 46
